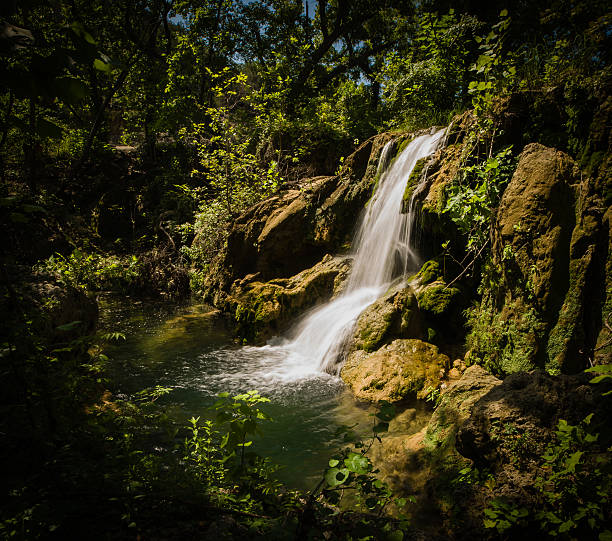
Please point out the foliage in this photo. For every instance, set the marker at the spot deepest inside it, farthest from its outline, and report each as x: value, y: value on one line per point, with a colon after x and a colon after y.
x: 475, y: 193
x: 422, y: 85
x: 605, y: 375
x: 494, y: 69
x: 573, y: 488
x: 92, y: 271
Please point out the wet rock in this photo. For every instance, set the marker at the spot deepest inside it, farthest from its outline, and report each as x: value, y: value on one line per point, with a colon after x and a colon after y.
x: 263, y: 309
x: 402, y: 369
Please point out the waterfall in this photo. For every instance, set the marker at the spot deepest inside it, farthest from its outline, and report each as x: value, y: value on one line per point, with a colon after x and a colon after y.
x: 382, y: 239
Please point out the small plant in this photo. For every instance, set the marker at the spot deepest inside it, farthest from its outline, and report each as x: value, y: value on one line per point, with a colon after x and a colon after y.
x: 433, y: 395
x: 573, y: 488
x: 351, y: 471
x: 502, y: 515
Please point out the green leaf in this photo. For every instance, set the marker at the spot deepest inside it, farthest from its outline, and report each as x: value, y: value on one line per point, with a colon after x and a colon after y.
x: 489, y: 523
x: 503, y: 13
x: 80, y: 31
x: 606, y: 535
x: 604, y: 368
x: 573, y: 461
x: 381, y: 427
x: 357, y: 463
x: 68, y: 326
x: 102, y: 66
x: 333, y: 463
x: 336, y: 476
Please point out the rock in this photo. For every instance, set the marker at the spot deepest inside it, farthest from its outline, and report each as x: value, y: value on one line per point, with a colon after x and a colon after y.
x: 535, y: 221
x: 408, y: 458
x: 457, y: 401
x: 289, y: 233
x: 603, y: 343
x: 525, y: 409
x: 548, y: 243
x: 441, y: 307
x: 393, y: 316
x: 402, y: 369
x: 262, y: 309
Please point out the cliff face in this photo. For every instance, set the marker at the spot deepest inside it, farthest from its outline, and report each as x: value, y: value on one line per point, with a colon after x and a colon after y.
x: 276, y: 241
x: 546, y: 299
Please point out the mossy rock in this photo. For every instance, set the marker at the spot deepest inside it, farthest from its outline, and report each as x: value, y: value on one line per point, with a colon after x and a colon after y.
x: 456, y: 404
x: 430, y: 272
x: 413, y: 182
x: 402, y: 369
x: 262, y: 309
x: 507, y: 341
x: 393, y: 316
x: 437, y: 298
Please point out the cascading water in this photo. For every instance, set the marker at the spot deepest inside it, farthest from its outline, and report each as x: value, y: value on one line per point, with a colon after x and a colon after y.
x: 382, y: 238
x: 295, y: 372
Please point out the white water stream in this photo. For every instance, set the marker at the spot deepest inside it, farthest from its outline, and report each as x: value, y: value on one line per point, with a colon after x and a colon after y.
x: 382, y: 241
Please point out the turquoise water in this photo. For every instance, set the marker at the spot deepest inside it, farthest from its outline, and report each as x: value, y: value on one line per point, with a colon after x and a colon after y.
x: 189, y: 348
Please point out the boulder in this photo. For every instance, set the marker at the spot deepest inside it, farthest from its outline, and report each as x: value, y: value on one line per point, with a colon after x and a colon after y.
x: 393, y: 316
x: 457, y: 401
x: 289, y: 233
x: 399, y: 370
x: 263, y: 309
x: 513, y: 423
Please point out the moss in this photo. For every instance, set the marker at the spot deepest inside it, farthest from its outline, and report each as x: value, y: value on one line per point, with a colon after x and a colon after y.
x: 403, y: 144
x: 437, y: 299
x: 430, y: 272
x: 505, y: 342
x: 413, y: 182
x: 562, y: 348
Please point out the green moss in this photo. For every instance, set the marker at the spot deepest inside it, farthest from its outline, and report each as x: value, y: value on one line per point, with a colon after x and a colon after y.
x: 413, y: 182
x: 403, y: 144
x: 562, y: 348
x: 505, y: 342
x: 437, y: 299
x: 430, y: 272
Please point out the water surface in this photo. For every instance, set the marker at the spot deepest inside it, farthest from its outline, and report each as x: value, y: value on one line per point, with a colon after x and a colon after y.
x: 188, y: 348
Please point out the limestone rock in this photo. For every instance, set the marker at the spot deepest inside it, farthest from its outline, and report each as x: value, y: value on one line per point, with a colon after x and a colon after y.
x: 548, y: 241
x: 401, y: 369
x: 455, y: 407
x: 406, y: 457
x: 525, y: 406
x: 393, y: 316
x: 289, y: 233
x: 441, y: 307
x: 262, y: 309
